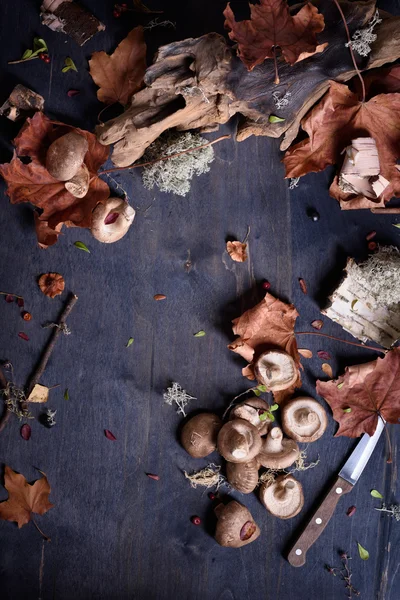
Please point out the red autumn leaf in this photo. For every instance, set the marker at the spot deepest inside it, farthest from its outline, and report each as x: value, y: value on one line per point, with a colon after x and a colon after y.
x: 111, y: 218
x: 152, y: 476
x: 369, y: 390
x: 351, y: 511
x: 33, y: 183
x: 109, y: 435
x: 23, y: 336
x: 271, y: 26
x: 303, y: 286
x: 332, y: 124
x: 317, y: 324
x: 120, y: 74
x: 26, y: 432
x: 72, y: 93
x: 23, y: 498
x: 323, y: 355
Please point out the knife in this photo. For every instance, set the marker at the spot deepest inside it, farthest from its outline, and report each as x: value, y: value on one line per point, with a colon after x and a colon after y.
x: 348, y: 477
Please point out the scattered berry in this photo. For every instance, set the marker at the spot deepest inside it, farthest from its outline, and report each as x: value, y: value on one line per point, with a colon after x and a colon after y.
x: 266, y: 285
x: 211, y: 496
x: 313, y: 214
x: 372, y: 246
x: 26, y: 316
x: 9, y: 298
x: 196, y: 520
x: 20, y: 302
x: 41, y: 55
x: 47, y: 59
x: 370, y: 236
x: 116, y: 13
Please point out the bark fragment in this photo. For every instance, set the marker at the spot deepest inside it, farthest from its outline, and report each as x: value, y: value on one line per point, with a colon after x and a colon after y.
x: 66, y: 16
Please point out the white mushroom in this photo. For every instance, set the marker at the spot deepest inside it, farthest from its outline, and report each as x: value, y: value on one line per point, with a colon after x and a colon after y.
x: 304, y: 419
x: 284, y: 497
x: 278, y: 452
x: 276, y: 370
x: 111, y: 220
x: 239, y: 441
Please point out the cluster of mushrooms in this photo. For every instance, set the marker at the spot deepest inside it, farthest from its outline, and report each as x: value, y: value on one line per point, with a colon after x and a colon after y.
x: 249, y: 441
x: 112, y: 218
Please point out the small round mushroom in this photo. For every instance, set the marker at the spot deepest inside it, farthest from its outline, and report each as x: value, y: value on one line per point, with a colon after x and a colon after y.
x: 278, y: 452
x: 251, y: 410
x: 78, y: 185
x: 111, y: 220
x: 284, y: 497
x: 199, y: 434
x: 235, y: 526
x: 304, y: 419
x: 276, y: 370
x: 65, y: 155
x: 239, y: 441
x: 243, y: 476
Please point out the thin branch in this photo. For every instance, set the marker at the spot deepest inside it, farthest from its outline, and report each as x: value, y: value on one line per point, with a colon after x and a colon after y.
x: 22, y: 60
x: 14, y: 295
x: 232, y: 402
x: 45, y: 537
x: 386, y: 211
x: 353, y: 58
x: 247, y: 235
x: 277, y: 80
x: 332, y: 337
x: 152, y: 162
x: 50, y: 346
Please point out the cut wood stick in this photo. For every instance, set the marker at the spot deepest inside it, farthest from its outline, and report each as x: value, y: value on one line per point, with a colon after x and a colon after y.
x: 58, y: 329
x: 386, y: 211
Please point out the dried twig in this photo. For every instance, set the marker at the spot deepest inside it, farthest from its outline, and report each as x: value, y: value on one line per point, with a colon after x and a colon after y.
x: 332, y: 337
x: 6, y: 413
x: 386, y: 211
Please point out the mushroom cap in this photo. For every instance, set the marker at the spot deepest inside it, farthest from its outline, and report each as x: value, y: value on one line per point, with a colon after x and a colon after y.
x: 243, y: 476
x: 65, y: 155
x: 199, y: 435
x: 304, y: 419
x: 235, y: 526
x: 115, y: 229
x: 276, y: 370
x: 284, y: 497
x: 278, y: 452
x: 239, y: 441
x: 250, y: 410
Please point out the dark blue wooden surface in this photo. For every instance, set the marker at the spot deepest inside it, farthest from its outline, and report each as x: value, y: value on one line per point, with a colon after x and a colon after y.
x: 117, y: 535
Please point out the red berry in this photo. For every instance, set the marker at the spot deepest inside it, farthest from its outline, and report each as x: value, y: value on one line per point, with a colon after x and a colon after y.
x: 196, y: 520
x: 47, y: 59
x: 124, y: 6
x: 41, y: 55
x: 211, y: 496
x: 266, y: 285
x: 372, y: 246
x: 117, y: 13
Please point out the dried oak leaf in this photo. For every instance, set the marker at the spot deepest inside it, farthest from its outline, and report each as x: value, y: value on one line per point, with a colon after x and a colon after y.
x: 237, y: 251
x: 23, y: 498
x: 51, y: 284
x: 33, y: 183
x: 269, y: 324
x: 333, y: 123
x: 120, y: 74
x: 370, y: 390
x: 272, y: 27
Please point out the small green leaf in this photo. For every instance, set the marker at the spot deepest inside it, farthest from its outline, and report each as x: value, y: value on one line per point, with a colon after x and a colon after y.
x: 347, y: 410
x: 354, y: 303
x: 364, y: 554
x: 262, y: 388
x: 257, y: 392
x: 267, y: 415
x: 81, y: 246
x: 70, y: 64
x: 66, y: 394
x: 376, y: 494
x: 396, y: 225
x: 274, y: 119
x: 129, y: 342
x: 200, y: 333
x: 39, y: 44
x: 27, y: 54
x: 65, y: 69
x: 274, y: 407
x: 340, y: 385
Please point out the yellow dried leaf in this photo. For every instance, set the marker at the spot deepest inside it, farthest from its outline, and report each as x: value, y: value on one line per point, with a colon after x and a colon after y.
x: 237, y: 251
x: 39, y: 394
x: 327, y: 369
x: 306, y: 353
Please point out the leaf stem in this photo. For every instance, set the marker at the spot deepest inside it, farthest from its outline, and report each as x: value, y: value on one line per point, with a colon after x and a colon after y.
x: 332, y: 337
x: 14, y: 295
x: 353, y: 58
x: 277, y: 80
x: 232, y: 402
x: 389, y: 442
x: 16, y: 62
x: 152, y: 162
x: 45, y: 537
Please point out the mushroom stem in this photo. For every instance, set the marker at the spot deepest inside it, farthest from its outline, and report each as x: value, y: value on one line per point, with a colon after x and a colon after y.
x: 273, y: 443
x: 306, y: 417
x: 240, y: 445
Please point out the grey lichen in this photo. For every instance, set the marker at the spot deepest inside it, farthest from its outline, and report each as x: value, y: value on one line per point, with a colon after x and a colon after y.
x: 380, y: 274
x: 175, y: 174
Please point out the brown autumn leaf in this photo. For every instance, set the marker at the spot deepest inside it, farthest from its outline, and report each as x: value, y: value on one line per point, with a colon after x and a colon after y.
x: 317, y: 324
x: 51, y: 284
x: 271, y: 27
x: 159, y: 297
x: 327, y: 369
x: 332, y: 124
x: 305, y: 352
x: 269, y: 324
x: 120, y: 74
x: 24, y: 498
x: 33, y: 183
x: 369, y: 390
x: 237, y: 251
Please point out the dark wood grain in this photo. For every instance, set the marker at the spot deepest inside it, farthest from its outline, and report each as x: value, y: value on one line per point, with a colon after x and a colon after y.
x: 116, y: 534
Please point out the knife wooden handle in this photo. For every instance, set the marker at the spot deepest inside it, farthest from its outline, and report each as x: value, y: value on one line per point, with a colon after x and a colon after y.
x: 318, y: 522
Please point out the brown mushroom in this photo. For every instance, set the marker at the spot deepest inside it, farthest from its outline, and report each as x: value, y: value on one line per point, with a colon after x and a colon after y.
x: 276, y: 370
x: 251, y: 410
x: 78, y: 185
x: 284, y: 497
x: 304, y: 419
x: 65, y: 155
x: 199, y: 434
x: 243, y: 476
x: 239, y: 441
x: 235, y: 526
x: 111, y: 220
x: 51, y: 284
x: 278, y: 452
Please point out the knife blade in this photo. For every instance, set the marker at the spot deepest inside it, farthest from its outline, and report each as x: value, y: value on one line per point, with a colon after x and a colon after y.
x: 348, y: 477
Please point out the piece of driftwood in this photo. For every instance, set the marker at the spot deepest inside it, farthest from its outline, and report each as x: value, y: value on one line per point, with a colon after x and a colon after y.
x: 69, y: 17
x: 21, y: 103
x: 200, y: 83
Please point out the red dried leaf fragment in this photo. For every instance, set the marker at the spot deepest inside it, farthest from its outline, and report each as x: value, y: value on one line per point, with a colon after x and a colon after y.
x: 111, y: 218
x: 152, y: 476
x: 303, y: 286
x: 23, y: 336
x: 72, y: 93
x: 247, y: 530
x: 323, y: 355
x: 370, y: 236
x: 20, y: 302
x: 109, y: 435
x: 9, y: 298
x: 351, y: 511
x: 160, y: 297
x: 26, y: 431
x: 317, y: 324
